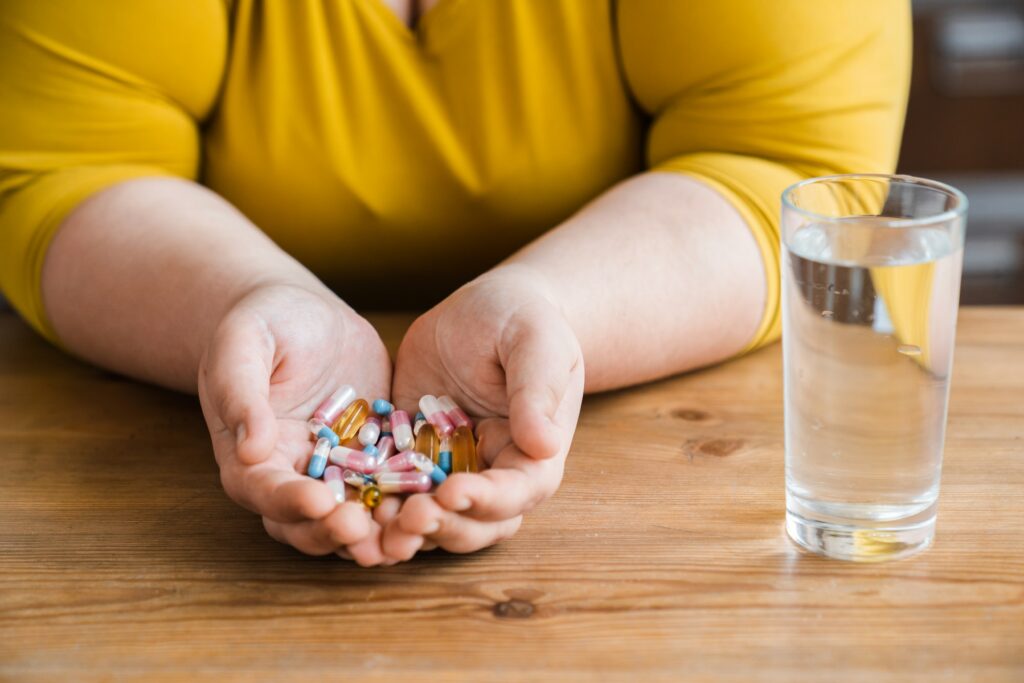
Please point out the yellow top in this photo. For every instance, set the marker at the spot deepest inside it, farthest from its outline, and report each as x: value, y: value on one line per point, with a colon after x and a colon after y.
x: 411, y: 159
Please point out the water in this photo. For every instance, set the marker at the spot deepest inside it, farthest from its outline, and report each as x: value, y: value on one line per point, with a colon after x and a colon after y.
x: 869, y: 316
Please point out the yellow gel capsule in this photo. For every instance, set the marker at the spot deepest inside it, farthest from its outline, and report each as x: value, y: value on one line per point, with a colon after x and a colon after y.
x: 428, y: 443
x: 371, y: 496
x: 350, y: 421
x: 464, y: 450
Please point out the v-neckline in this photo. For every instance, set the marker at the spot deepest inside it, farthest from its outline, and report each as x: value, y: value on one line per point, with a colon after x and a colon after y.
x: 422, y: 22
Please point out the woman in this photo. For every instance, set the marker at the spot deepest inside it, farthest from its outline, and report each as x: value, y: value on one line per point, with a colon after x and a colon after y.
x: 197, y: 193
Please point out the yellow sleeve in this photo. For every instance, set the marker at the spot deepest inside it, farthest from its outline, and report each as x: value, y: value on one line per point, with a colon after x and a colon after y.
x: 94, y: 94
x: 751, y: 96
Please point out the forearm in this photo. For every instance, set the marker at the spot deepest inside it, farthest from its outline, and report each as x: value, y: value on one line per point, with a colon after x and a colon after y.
x: 657, y: 276
x: 139, y: 275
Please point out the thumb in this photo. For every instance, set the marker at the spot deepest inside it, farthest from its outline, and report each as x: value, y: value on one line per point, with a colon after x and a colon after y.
x: 237, y: 380
x: 538, y: 356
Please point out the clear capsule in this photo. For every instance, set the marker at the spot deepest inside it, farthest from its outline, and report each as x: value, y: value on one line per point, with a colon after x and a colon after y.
x: 464, y: 450
x: 402, y: 429
x: 353, y: 478
x: 436, y: 415
x: 319, y: 460
x: 349, y: 458
x: 457, y: 415
x: 404, y: 482
x: 407, y: 461
x: 370, y: 431
x: 382, y: 407
x: 336, y: 482
x: 335, y: 404
x: 349, y: 422
x: 417, y: 425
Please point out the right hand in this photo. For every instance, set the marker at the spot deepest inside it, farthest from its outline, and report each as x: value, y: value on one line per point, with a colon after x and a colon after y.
x: 276, y: 354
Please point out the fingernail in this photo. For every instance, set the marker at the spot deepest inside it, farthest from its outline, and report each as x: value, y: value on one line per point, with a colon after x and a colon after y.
x: 461, y: 504
x: 240, y: 434
x: 432, y: 528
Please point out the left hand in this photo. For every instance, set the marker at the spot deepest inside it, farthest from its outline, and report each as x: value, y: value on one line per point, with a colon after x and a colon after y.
x: 501, y: 347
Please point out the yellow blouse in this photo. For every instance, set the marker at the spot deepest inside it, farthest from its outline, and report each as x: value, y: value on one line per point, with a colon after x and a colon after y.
x: 405, y: 161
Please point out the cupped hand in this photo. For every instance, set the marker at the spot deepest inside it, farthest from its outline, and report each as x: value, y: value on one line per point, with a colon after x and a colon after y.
x: 501, y: 347
x: 274, y: 357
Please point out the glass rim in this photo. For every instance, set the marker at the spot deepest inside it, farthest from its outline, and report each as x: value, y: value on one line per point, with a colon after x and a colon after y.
x: 946, y: 216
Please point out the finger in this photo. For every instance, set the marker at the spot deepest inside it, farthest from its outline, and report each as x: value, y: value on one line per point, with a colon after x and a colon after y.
x: 367, y: 552
x: 538, y: 362
x: 284, y: 495
x: 237, y: 380
x: 501, y: 492
x: 387, y: 509
x: 451, y: 531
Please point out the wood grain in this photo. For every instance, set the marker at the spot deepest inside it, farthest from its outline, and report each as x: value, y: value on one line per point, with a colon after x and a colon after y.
x: 662, y: 558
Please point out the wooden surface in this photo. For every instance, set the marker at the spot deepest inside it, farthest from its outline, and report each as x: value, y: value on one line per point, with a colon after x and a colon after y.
x: 662, y: 557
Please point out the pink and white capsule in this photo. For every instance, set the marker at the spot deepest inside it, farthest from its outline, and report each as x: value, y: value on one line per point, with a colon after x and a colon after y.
x: 385, y: 449
x: 334, y: 404
x: 456, y: 414
x: 336, y: 482
x: 351, y: 459
x: 435, y: 415
x: 407, y: 461
x: 402, y: 430
x: 404, y: 482
x: 370, y: 431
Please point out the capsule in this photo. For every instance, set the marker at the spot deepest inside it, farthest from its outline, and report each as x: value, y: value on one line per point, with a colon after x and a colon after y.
x: 335, y: 404
x: 336, y: 482
x: 372, y: 451
x: 436, y: 416
x: 457, y: 415
x: 418, y: 424
x: 402, y: 429
x: 404, y: 482
x: 324, y: 432
x: 464, y: 450
x: 350, y: 421
x: 349, y: 458
x: 444, y: 460
x: 382, y: 407
x: 319, y: 460
x: 385, y: 449
x: 406, y: 461
x: 370, y: 431
x: 428, y: 443
x: 385, y: 428
x: 437, y: 475
x: 356, y: 479
x: 371, y: 495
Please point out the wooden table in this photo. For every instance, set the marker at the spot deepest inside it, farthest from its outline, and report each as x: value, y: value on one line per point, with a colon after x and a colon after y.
x: 661, y: 558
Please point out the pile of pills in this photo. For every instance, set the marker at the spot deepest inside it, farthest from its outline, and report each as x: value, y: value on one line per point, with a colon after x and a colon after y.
x: 377, y: 449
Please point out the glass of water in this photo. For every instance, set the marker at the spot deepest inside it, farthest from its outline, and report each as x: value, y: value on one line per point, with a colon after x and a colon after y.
x: 871, y: 285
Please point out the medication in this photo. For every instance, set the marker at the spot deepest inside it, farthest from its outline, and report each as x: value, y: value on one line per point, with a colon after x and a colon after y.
x: 418, y: 424
x: 315, y: 425
x: 444, y: 461
x: 371, y: 496
x: 406, y: 461
x: 385, y: 449
x: 385, y: 428
x: 333, y: 406
x: 382, y: 407
x: 351, y: 459
x: 457, y: 415
x: 371, y: 451
x: 319, y: 460
x: 336, y: 482
x: 404, y: 482
x: 428, y: 443
x: 351, y: 420
x: 435, y: 415
x: 328, y: 433
x: 370, y: 431
x: 464, y: 450
x: 437, y: 475
x: 402, y: 430
x: 356, y: 479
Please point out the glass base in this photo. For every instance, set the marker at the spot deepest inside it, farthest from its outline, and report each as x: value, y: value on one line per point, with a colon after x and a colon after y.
x: 877, y: 543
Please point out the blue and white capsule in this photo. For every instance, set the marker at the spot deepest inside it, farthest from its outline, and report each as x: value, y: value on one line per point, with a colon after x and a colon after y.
x: 382, y: 407
x: 318, y: 462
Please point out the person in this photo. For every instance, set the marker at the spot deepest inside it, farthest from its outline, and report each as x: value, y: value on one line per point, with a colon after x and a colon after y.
x: 200, y: 194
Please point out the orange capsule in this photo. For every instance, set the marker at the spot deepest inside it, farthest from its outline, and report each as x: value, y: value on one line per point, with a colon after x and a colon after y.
x: 464, y: 450
x: 428, y: 443
x: 351, y: 420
